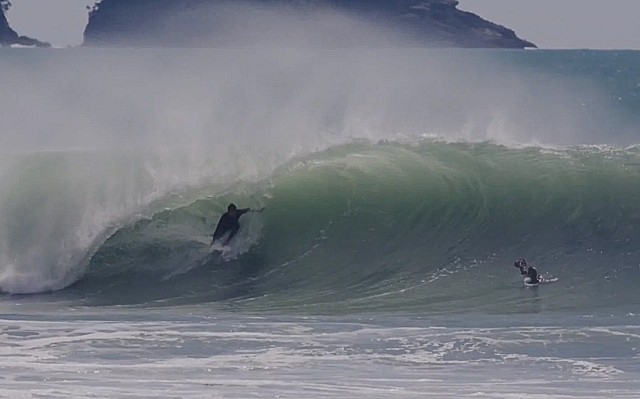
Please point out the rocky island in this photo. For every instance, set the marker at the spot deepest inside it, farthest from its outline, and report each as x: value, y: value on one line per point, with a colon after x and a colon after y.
x: 204, y: 23
x: 9, y: 37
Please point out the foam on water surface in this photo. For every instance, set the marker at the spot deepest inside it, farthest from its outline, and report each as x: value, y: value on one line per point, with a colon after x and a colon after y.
x: 232, y: 356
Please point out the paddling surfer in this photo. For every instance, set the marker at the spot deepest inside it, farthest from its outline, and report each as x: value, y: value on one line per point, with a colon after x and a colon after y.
x: 529, y: 273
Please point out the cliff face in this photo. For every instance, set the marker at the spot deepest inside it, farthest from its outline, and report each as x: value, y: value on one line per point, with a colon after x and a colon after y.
x: 200, y: 23
x: 9, y: 37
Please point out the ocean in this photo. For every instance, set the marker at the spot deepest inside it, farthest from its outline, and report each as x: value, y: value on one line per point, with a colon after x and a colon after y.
x: 399, y: 186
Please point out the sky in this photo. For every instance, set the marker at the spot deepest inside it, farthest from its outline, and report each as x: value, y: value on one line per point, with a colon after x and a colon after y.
x: 595, y: 24
x: 59, y: 22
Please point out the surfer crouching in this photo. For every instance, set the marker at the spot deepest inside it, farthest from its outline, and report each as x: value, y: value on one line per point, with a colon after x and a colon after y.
x: 529, y: 273
x: 229, y: 223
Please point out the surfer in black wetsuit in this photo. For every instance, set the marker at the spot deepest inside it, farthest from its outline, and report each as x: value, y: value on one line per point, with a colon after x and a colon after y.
x: 529, y: 273
x: 228, y: 223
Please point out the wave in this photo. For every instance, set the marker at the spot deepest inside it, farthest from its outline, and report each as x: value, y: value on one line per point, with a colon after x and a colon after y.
x: 113, y: 191
x: 431, y: 226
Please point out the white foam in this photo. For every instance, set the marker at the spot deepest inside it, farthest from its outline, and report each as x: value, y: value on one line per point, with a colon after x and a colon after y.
x: 236, y: 356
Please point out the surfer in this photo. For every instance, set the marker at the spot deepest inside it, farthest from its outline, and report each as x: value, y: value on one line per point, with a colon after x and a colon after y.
x: 529, y: 273
x: 228, y: 223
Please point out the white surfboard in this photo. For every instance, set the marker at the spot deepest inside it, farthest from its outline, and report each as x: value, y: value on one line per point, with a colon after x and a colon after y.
x: 541, y: 280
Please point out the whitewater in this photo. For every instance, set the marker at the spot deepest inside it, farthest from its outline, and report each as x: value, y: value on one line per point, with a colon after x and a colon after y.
x: 399, y: 186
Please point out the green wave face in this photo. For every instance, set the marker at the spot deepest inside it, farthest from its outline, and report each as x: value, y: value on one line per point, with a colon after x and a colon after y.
x: 428, y: 227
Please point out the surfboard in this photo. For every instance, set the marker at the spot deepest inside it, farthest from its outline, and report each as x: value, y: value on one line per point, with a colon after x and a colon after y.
x: 541, y: 280
x: 219, y: 248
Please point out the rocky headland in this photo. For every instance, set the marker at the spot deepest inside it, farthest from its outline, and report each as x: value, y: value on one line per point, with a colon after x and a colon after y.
x: 183, y: 23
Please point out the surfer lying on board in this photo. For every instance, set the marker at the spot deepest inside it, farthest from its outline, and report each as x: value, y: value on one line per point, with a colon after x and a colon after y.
x: 529, y: 273
x: 228, y: 223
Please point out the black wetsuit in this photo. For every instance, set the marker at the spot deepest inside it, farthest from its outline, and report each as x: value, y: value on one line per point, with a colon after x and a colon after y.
x: 228, y: 223
x: 531, y: 273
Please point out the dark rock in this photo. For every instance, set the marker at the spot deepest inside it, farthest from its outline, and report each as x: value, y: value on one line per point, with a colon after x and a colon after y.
x: 9, y: 37
x: 28, y: 41
x: 437, y: 23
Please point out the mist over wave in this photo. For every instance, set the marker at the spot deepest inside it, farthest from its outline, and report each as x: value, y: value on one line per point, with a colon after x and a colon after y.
x: 121, y: 134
